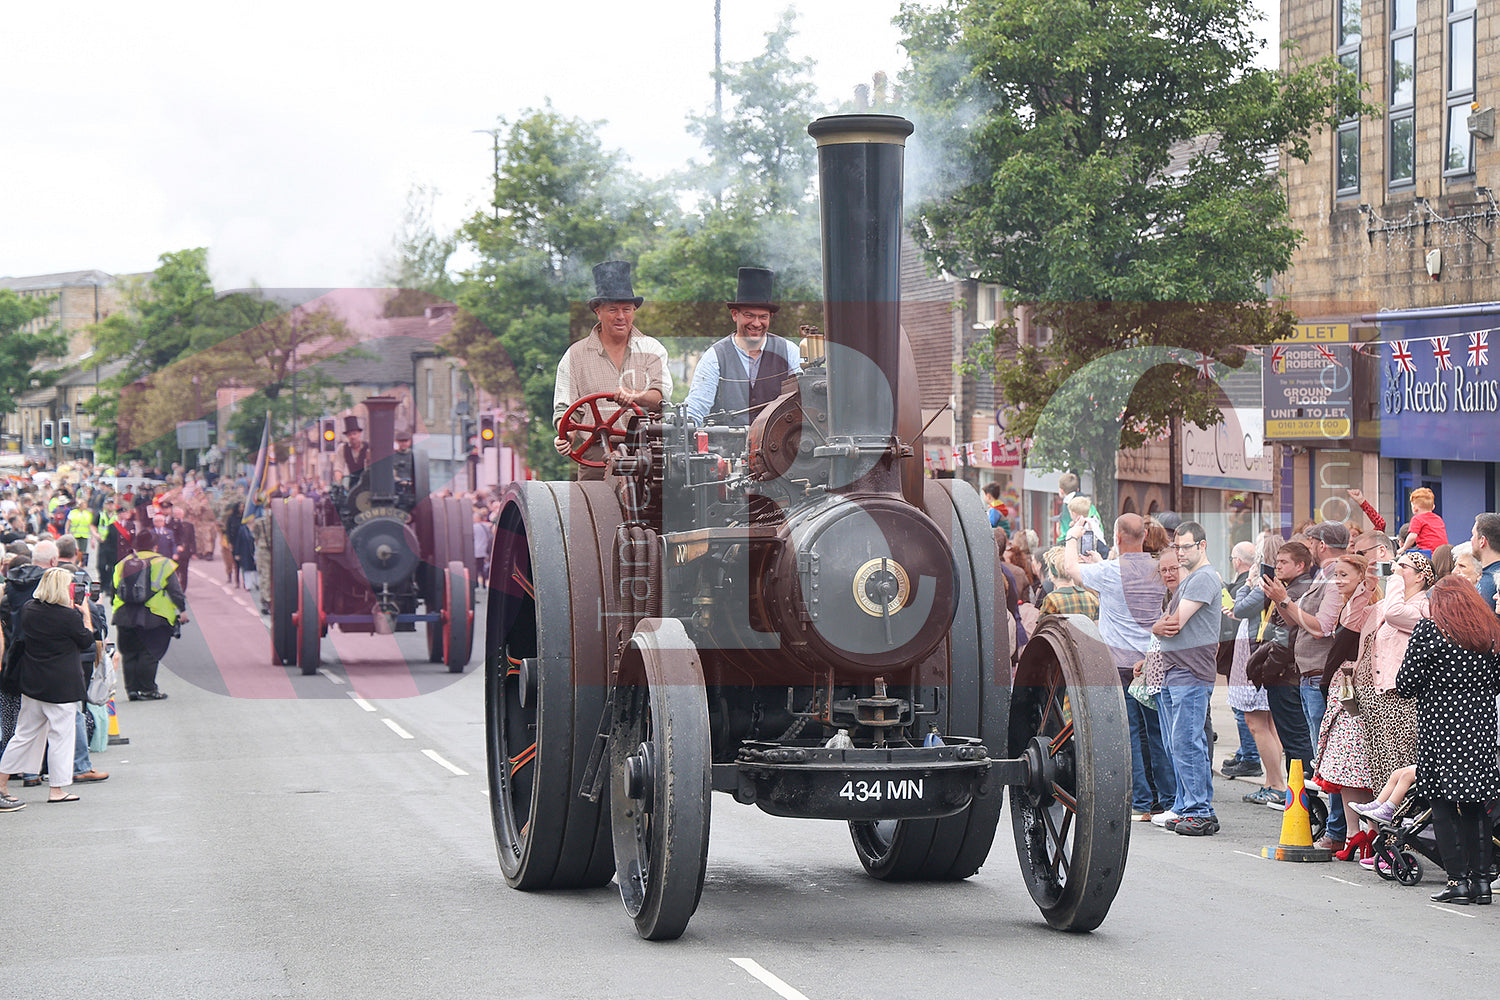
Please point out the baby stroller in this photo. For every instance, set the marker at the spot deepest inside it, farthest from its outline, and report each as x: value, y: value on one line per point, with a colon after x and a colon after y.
x: 1409, y: 834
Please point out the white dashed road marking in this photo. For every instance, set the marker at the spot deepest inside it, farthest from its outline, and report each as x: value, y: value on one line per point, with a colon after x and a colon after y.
x: 433, y: 756
x: 330, y: 675
x: 397, y: 729
x: 360, y: 701
x: 781, y: 988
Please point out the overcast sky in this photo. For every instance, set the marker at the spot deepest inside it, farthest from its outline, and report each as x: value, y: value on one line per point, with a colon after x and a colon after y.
x: 285, y: 136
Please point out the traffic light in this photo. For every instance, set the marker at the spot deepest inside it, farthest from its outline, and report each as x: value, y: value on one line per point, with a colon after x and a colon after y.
x: 486, y: 430
x: 467, y: 428
x: 327, y: 434
x: 65, y: 431
x: 46, y: 433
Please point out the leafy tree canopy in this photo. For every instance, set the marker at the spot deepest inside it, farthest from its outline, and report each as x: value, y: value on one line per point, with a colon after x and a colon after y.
x: 22, y: 349
x: 1105, y: 162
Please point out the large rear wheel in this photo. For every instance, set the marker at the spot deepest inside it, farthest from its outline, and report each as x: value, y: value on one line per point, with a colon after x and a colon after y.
x: 659, y: 779
x: 1072, y: 819
x: 292, y: 544
x: 546, y: 672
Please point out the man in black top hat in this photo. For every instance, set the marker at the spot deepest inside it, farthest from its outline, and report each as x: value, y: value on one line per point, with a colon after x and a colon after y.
x: 354, y: 453
x: 744, y: 371
x: 615, y: 358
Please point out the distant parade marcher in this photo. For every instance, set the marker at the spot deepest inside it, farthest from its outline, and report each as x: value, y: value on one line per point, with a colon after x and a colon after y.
x: 184, y: 543
x: 145, y: 628
x: 743, y: 372
x: 615, y: 358
x: 81, y: 526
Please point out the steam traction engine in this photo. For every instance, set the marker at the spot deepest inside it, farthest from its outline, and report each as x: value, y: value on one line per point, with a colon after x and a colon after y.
x: 369, y: 553
x: 788, y: 613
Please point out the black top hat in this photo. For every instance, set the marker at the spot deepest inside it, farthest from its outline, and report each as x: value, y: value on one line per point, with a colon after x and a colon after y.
x: 612, y: 284
x: 754, y: 291
x: 352, y: 424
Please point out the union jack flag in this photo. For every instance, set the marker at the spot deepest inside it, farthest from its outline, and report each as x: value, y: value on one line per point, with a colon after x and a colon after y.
x: 958, y: 458
x: 1205, y: 367
x: 1327, y: 355
x: 1479, y: 349
x: 1442, y: 355
x: 1401, y: 354
x: 1278, y: 356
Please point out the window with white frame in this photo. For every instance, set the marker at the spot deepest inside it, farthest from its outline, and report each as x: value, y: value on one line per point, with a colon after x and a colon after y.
x: 1350, y: 33
x: 1401, y: 93
x: 1458, y: 154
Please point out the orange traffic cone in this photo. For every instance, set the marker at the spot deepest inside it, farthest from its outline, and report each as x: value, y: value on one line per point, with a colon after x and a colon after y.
x: 1296, y: 825
x: 115, y: 739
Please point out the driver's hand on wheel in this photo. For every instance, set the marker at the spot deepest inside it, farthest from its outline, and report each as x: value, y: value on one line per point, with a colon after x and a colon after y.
x: 562, y: 444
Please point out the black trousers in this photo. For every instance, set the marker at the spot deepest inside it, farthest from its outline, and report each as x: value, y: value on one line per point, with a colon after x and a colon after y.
x: 1462, y: 831
x: 1291, y: 725
x: 141, y: 650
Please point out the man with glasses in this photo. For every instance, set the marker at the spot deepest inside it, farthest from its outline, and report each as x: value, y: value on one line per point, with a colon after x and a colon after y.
x: 744, y: 371
x: 1189, y: 634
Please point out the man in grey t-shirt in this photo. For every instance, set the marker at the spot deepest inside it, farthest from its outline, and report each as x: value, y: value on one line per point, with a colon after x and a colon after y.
x: 1189, y: 634
x: 1130, y: 596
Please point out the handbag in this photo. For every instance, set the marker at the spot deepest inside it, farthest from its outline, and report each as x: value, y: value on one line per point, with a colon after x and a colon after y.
x: 101, y: 682
x: 1137, y: 690
x: 99, y: 738
x: 1155, y: 671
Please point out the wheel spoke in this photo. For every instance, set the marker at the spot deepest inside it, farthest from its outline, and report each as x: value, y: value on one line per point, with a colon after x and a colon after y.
x: 1051, y: 699
x: 1062, y: 738
x: 523, y: 758
x: 1068, y: 802
x: 1058, y: 838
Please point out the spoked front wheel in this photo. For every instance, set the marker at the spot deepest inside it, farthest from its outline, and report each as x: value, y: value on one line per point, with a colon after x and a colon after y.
x: 1072, y: 818
x: 660, y: 779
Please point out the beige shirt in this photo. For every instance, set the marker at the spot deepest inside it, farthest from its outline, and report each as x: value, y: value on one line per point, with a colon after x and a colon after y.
x: 586, y: 368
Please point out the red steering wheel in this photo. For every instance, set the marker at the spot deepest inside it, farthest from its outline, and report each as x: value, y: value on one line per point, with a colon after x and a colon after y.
x: 601, y: 429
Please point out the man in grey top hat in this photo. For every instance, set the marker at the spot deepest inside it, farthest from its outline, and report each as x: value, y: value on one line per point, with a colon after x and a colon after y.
x: 744, y: 371
x: 615, y: 358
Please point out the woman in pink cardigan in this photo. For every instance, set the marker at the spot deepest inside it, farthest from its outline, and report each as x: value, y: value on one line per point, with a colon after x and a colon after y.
x: 1390, y: 721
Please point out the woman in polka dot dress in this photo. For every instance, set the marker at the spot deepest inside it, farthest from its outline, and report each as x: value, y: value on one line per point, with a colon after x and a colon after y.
x: 1452, y: 668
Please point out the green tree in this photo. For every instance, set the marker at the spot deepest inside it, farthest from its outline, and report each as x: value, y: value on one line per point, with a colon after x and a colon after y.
x: 1105, y: 162
x: 22, y: 349
x: 759, y: 156
x: 562, y: 203
x: 418, y: 261
x: 180, y: 341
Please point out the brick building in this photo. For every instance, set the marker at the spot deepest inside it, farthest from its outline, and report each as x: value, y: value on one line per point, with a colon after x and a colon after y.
x: 1399, y: 221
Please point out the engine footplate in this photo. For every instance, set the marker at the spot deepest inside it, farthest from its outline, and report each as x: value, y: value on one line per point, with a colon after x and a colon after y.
x: 817, y: 782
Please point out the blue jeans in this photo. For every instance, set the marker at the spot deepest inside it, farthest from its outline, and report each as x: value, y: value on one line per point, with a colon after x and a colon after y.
x: 1153, y: 789
x: 81, y: 762
x: 1248, y: 751
x: 1183, y: 704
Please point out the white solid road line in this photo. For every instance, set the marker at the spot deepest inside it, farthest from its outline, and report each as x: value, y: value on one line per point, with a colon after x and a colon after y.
x: 1447, y: 909
x: 1344, y: 880
x: 397, y: 729
x: 1257, y: 857
x: 433, y: 756
x: 782, y: 989
x: 331, y: 675
x: 360, y: 701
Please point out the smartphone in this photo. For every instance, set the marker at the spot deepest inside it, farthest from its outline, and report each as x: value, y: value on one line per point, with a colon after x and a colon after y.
x: 1386, y: 568
x: 109, y: 650
x: 1087, y: 542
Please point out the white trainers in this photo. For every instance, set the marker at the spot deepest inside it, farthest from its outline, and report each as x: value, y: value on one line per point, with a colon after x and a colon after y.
x: 1163, y: 818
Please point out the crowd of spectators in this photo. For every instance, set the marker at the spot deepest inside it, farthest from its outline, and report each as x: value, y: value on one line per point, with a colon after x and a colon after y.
x: 1360, y: 655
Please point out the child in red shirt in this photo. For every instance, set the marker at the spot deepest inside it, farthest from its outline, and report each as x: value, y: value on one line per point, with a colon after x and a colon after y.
x: 1427, y: 529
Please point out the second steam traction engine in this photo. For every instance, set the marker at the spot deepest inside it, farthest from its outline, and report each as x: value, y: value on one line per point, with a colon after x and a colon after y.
x: 789, y: 613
